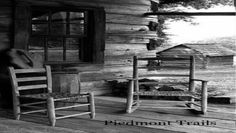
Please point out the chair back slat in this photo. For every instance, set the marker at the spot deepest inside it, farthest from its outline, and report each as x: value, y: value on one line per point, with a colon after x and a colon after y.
x: 35, y: 70
x: 31, y: 79
x: 30, y: 87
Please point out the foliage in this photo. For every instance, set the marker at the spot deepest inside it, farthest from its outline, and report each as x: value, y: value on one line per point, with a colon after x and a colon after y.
x: 197, y: 4
x: 174, y: 5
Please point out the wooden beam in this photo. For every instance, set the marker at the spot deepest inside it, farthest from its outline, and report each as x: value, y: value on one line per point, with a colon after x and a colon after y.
x: 193, y: 13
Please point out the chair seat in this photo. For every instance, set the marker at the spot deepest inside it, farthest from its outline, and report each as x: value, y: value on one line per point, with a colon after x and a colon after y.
x: 166, y: 93
x: 56, y: 95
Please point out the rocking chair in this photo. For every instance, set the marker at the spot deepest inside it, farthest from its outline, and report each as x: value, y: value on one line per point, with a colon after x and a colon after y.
x: 32, y: 88
x: 170, y: 77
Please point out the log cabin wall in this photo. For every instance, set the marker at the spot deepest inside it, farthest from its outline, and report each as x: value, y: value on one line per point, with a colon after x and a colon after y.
x: 6, y: 29
x: 221, y: 60
x: 127, y: 34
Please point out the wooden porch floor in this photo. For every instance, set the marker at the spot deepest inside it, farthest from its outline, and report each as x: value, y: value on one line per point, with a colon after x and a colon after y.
x: 220, y: 118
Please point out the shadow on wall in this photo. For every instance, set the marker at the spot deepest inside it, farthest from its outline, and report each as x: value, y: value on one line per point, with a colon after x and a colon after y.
x: 10, y: 57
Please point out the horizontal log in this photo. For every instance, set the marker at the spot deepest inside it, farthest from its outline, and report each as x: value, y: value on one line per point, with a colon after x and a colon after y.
x: 125, y: 46
x: 127, y: 39
x: 95, y: 2
x: 141, y: 33
x: 124, y: 53
x: 101, y: 76
x: 75, y: 3
x: 129, y: 19
x: 136, y: 2
x: 149, y: 35
x: 118, y: 62
x: 125, y: 11
x: 119, y: 28
x: 131, y: 32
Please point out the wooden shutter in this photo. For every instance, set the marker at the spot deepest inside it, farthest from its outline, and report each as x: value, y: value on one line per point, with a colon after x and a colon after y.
x: 93, y: 47
x: 21, y: 26
x: 99, y: 36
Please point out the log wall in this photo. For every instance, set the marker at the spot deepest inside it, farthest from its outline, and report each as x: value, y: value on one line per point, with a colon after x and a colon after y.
x: 5, y: 24
x: 221, y: 60
x: 127, y: 32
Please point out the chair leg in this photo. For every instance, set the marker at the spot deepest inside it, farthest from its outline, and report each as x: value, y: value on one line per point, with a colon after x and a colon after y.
x: 51, y: 111
x: 92, y: 105
x: 204, y: 97
x: 16, y: 107
x: 130, y: 97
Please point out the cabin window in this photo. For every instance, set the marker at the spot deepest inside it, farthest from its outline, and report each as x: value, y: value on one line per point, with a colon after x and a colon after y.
x: 58, y: 35
x: 61, y: 35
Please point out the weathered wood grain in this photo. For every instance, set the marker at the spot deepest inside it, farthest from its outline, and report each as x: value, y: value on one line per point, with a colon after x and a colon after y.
x: 128, y: 19
x: 119, y: 28
x: 127, y: 29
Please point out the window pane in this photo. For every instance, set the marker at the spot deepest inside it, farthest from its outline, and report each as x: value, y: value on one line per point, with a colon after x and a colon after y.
x: 58, y: 29
x: 76, y: 29
x: 39, y: 29
x: 55, y: 49
x: 36, y: 43
x: 76, y: 15
x: 59, y: 17
x: 40, y: 16
x: 72, y: 49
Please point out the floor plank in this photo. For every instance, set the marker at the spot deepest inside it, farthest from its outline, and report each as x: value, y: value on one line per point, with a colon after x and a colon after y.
x: 111, y: 117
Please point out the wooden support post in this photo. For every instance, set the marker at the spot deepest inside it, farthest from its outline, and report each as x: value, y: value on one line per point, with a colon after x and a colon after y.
x: 51, y: 111
x: 130, y: 97
x: 92, y: 105
x: 204, y: 97
x: 191, y: 77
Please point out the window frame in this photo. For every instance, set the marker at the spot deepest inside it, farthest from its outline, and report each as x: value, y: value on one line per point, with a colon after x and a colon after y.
x: 62, y: 37
x: 94, y: 50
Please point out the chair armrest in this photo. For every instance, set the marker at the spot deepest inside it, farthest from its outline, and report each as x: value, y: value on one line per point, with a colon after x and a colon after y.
x: 201, y: 80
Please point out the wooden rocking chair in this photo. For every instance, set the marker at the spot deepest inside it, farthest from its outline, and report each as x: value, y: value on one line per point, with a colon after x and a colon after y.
x: 166, y: 64
x: 39, y: 82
